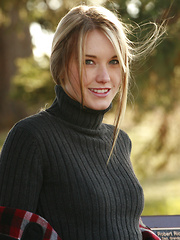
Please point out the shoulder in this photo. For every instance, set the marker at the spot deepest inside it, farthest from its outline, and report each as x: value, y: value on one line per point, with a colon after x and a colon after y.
x: 33, y: 120
x: 122, y: 134
x: 22, y: 139
x: 123, y: 138
x: 34, y: 123
x: 125, y: 141
x: 30, y: 127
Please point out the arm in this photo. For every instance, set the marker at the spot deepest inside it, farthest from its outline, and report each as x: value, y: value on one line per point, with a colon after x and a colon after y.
x: 147, y: 233
x: 20, y: 170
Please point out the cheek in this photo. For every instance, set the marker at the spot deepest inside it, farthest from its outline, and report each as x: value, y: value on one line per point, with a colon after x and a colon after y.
x: 87, y: 78
x: 117, y: 79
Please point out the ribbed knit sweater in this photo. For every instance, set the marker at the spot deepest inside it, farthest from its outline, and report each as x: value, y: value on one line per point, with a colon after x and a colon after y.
x: 54, y: 164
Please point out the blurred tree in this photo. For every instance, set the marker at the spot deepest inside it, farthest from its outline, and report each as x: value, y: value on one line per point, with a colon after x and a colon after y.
x: 33, y: 84
x: 159, y: 70
x: 15, y: 41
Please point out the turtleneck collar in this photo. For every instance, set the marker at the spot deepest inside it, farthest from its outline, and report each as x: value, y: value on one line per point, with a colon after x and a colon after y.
x: 74, y: 113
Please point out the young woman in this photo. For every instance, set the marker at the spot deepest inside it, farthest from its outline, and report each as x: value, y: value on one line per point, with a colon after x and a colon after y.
x: 63, y: 163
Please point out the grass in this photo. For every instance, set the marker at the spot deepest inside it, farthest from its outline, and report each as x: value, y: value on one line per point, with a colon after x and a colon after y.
x: 162, y: 195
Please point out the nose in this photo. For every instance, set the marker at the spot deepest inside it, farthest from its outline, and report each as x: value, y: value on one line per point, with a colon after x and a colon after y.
x: 103, y: 74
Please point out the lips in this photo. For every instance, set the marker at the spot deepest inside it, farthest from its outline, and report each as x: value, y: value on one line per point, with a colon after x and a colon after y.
x: 100, y: 91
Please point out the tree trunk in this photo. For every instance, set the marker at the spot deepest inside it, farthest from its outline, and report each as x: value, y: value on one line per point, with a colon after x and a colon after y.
x: 15, y: 42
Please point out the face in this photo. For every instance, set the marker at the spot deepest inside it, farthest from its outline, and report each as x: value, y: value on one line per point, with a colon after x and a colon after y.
x: 101, y: 73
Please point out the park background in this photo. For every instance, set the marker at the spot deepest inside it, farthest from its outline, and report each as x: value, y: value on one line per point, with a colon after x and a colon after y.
x: 152, y: 119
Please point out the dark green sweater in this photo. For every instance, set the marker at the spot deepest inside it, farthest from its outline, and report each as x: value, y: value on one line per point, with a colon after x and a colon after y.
x: 55, y: 164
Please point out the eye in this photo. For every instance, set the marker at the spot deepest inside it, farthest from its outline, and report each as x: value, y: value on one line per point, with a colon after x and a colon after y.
x: 114, y: 62
x: 89, y: 62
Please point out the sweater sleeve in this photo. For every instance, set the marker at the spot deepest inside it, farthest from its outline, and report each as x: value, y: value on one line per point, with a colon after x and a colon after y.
x: 20, y: 171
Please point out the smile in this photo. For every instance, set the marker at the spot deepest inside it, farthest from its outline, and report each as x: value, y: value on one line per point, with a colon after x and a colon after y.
x: 100, y: 91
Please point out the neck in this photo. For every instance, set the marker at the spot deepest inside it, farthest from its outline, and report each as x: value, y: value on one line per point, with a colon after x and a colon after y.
x: 74, y: 113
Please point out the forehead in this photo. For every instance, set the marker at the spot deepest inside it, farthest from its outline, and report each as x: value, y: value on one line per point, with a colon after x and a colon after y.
x: 97, y: 42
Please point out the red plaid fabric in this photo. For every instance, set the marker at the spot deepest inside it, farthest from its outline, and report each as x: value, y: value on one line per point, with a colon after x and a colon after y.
x: 147, y: 233
x: 14, y: 221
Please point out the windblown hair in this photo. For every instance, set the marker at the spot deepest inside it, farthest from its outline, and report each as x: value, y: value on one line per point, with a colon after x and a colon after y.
x: 70, y: 39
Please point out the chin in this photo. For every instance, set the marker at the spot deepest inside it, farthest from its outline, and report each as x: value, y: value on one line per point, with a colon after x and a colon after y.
x: 99, y: 108
x: 97, y: 105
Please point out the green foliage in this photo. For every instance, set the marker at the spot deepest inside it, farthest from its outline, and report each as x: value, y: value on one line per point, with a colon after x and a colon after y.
x: 33, y: 83
x: 156, y: 76
x: 165, y: 206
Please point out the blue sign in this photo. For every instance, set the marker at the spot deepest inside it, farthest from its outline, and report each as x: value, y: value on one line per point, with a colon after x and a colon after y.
x: 167, y: 233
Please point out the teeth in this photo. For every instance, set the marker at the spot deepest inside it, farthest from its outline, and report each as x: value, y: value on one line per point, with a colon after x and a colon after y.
x: 100, y: 90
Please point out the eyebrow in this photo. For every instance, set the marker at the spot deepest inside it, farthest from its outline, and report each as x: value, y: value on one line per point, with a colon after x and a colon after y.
x: 93, y: 56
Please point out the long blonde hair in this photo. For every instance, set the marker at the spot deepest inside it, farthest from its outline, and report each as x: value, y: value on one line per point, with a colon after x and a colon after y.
x: 70, y: 37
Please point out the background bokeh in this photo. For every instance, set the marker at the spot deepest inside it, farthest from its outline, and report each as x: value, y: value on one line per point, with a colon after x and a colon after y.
x: 153, y: 114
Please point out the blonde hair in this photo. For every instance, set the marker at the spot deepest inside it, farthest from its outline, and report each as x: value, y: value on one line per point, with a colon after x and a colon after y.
x: 70, y: 37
